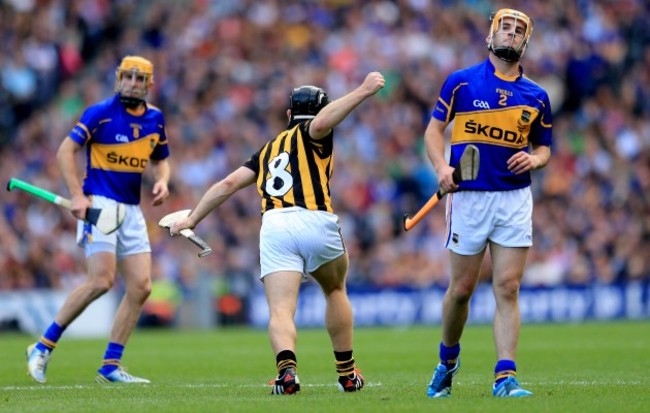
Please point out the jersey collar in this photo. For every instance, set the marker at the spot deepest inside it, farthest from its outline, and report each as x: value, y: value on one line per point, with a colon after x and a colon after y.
x: 501, y: 75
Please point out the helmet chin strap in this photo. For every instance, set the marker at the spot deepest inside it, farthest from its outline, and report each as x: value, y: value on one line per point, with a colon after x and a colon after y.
x: 131, y: 102
x: 506, y: 53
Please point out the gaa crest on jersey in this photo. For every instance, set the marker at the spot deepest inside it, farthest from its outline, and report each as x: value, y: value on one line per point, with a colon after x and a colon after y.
x: 523, y: 124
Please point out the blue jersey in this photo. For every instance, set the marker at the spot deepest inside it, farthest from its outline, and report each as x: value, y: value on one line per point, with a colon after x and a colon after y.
x: 118, y: 148
x: 500, y: 115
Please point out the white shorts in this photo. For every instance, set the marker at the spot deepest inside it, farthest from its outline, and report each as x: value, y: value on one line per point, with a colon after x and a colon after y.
x: 476, y: 217
x: 297, y: 239
x: 131, y: 238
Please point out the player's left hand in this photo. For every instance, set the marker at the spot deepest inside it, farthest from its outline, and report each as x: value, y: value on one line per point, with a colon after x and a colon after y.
x: 160, y: 192
x: 522, y: 162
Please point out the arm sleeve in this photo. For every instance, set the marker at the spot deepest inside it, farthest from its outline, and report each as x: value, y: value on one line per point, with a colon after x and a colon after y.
x: 541, y: 132
x: 161, y: 151
x: 81, y: 131
x: 445, y: 110
x: 253, y: 162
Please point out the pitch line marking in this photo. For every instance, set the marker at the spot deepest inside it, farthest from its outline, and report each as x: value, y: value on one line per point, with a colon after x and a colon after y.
x: 122, y: 386
x: 577, y: 383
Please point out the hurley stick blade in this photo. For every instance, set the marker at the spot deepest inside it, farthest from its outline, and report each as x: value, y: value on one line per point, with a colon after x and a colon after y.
x: 169, y: 219
x: 466, y: 170
x: 469, y: 163
x: 107, y: 219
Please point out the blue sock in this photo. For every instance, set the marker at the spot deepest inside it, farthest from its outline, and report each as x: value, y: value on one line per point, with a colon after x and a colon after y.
x: 449, y: 355
x: 504, y: 369
x: 51, y: 336
x: 112, y: 358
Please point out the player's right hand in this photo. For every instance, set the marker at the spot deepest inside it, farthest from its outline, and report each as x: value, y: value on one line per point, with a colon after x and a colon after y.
x: 445, y: 180
x: 179, y: 225
x: 373, y: 82
x: 80, y: 203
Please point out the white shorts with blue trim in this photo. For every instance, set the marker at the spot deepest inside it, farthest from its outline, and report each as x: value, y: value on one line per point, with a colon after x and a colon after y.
x: 297, y: 239
x: 476, y: 217
x: 131, y: 238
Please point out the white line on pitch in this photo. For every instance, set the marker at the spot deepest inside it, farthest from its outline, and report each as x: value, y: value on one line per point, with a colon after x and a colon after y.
x: 187, y: 386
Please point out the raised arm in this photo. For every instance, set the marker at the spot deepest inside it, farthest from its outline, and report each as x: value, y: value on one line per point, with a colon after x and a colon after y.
x: 334, y: 113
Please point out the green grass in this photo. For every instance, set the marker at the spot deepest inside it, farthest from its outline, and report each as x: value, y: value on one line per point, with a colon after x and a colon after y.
x: 571, y: 368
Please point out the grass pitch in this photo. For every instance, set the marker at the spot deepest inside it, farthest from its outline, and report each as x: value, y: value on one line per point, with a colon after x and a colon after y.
x: 570, y: 368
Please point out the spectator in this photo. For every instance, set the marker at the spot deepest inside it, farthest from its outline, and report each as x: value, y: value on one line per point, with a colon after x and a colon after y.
x: 222, y: 66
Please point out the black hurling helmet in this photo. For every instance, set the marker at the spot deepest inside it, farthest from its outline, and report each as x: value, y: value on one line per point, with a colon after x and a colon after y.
x: 306, y: 101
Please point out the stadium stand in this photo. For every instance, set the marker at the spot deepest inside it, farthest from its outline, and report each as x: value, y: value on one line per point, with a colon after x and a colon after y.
x: 223, y: 68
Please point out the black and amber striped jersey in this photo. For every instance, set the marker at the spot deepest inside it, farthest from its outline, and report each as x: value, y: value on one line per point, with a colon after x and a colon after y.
x: 500, y: 115
x: 294, y: 170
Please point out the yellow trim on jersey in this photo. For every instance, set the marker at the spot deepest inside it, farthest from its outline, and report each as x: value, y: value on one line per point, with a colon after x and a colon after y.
x: 290, y: 195
x: 274, y: 151
x: 505, y: 77
x: 324, y: 179
x: 451, y: 104
x: 85, y: 129
x: 443, y: 103
x: 124, y: 157
x: 541, y: 121
x: 305, y: 176
x: 260, y: 176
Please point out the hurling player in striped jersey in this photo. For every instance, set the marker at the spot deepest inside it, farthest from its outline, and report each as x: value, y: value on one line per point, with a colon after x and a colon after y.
x: 506, y: 115
x: 300, y: 234
x: 121, y: 136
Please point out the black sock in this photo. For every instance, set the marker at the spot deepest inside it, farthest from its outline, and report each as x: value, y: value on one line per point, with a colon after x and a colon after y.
x: 344, y: 363
x: 285, y: 359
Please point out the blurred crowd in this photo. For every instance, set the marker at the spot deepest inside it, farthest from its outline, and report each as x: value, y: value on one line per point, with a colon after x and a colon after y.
x: 223, y: 73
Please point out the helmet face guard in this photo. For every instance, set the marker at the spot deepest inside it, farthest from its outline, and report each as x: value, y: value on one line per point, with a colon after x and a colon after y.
x: 306, y: 101
x: 499, y: 27
x: 140, y: 69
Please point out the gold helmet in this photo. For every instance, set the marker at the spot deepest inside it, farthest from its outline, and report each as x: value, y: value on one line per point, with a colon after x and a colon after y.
x: 504, y: 52
x: 138, y: 66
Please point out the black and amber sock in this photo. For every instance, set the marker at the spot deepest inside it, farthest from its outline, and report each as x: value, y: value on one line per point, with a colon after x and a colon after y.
x: 286, y: 359
x: 344, y: 363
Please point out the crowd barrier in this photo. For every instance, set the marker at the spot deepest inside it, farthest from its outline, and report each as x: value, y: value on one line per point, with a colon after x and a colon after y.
x: 407, y: 306
x: 32, y: 311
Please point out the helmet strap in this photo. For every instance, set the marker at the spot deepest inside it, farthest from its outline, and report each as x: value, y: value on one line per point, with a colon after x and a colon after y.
x: 506, y: 53
x: 131, y: 102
